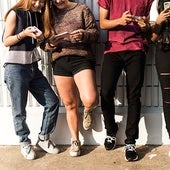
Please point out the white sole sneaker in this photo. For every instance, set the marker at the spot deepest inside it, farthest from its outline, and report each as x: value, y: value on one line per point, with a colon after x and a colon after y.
x: 48, y: 146
x: 28, y: 152
x: 74, y: 154
x: 75, y: 148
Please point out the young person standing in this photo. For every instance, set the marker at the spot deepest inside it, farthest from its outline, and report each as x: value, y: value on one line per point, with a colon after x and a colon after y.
x: 23, y: 23
x: 161, y: 37
x: 73, y: 62
x: 126, y: 22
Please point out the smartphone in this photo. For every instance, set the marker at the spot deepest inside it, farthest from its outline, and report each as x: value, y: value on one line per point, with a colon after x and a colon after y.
x: 63, y: 35
x: 136, y: 17
x: 167, y: 6
x: 37, y: 31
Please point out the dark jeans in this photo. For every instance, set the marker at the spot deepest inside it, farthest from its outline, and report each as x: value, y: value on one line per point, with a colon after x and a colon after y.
x: 162, y: 60
x: 23, y: 78
x: 133, y: 63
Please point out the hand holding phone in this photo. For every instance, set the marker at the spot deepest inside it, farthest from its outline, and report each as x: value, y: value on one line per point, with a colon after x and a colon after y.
x: 37, y: 32
x: 167, y: 6
x: 136, y: 17
x: 55, y: 39
x: 63, y: 35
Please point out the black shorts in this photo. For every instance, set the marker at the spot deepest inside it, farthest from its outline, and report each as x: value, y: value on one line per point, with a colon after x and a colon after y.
x: 70, y: 65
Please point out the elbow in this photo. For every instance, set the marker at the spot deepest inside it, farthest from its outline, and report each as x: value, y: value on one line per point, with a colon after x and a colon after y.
x: 153, y: 39
x: 6, y: 44
x: 102, y: 26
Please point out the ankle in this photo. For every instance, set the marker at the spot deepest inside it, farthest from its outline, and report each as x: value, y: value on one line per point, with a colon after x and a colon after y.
x: 43, y: 137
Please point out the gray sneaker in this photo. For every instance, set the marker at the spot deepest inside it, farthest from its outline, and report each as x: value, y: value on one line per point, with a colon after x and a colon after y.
x: 75, y: 148
x: 87, y: 120
x: 48, y: 146
x: 27, y: 151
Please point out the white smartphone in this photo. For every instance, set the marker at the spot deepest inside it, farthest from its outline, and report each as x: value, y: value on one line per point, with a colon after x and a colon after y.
x: 37, y: 31
x: 63, y: 35
x: 167, y: 6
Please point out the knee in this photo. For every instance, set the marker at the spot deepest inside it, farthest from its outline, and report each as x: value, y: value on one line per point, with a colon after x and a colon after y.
x: 91, y: 101
x: 70, y: 105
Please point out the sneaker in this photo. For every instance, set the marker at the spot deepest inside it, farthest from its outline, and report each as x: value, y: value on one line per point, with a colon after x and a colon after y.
x: 48, y: 146
x: 87, y: 120
x: 28, y: 152
x: 110, y: 142
x: 130, y: 152
x: 75, y: 148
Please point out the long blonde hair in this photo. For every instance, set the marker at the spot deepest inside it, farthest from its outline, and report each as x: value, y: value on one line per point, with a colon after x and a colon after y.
x: 25, y: 5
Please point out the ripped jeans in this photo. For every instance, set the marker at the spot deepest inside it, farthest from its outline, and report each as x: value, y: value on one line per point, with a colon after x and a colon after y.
x: 162, y: 61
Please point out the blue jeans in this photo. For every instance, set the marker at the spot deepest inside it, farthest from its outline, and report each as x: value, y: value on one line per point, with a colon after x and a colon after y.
x: 23, y: 78
x: 133, y: 63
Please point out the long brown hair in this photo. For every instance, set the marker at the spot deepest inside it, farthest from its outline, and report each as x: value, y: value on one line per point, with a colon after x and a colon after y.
x: 49, y: 19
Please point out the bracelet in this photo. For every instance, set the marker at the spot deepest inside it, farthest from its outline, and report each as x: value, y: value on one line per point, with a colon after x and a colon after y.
x: 19, y: 37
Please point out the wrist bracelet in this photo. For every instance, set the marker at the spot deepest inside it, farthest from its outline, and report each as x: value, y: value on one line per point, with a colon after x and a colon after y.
x: 19, y: 37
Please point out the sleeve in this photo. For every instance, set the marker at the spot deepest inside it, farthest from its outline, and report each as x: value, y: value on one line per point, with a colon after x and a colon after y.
x: 91, y: 32
x: 154, y: 11
x: 104, y: 3
x: 46, y: 46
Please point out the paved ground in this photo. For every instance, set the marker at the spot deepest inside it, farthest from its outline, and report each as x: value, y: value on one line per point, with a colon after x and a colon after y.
x: 92, y: 158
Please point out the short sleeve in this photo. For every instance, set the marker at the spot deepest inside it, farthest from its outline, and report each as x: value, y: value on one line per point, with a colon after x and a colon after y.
x: 104, y: 3
x: 154, y: 12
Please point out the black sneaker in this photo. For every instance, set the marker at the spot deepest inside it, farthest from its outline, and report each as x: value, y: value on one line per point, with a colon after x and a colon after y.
x: 130, y: 153
x: 110, y: 142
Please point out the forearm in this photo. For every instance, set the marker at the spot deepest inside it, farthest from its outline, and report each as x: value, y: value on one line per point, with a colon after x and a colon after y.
x: 47, y: 46
x: 110, y: 24
x: 11, y: 40
x: 90, y: 36
x: 155, y: 31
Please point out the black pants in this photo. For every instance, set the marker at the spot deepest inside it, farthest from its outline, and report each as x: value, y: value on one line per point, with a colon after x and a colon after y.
x: 162, y: 61
x: 133, y: 63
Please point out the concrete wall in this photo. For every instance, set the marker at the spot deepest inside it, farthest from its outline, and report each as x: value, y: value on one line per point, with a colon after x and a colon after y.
x: 152, y: 125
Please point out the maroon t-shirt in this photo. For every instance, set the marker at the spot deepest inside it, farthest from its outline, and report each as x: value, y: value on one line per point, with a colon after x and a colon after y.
x: 129, y: 37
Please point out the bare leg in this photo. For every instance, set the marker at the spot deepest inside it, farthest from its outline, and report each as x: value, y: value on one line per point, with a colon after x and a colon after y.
x: 69, y: 95
x: 86, y: 83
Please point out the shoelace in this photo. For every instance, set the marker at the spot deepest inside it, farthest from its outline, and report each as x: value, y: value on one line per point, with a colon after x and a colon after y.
x: 28, y: 149
x: 110, y: 139
x: 51, y: 143
x: 75, y: 143
x: 130, y: 147
x: 86, y: 114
